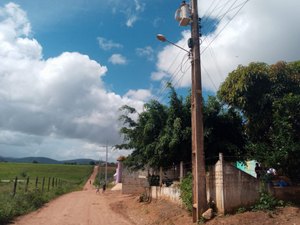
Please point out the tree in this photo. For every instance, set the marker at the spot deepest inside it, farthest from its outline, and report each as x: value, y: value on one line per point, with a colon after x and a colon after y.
x: 266, y: 96
x: 92, y: 163
x: 161, y: 135
x: 223, y: 132
x: 143, y: 135
x: 246, y: 89
x: 286, y: 135
x: 176, y: 137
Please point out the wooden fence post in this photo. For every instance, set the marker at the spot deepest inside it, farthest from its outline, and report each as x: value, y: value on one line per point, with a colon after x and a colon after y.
x: 36, y: 183
x: 43, y: 184
x: 49, y: 180
x: 53, y: 182
x: 26, y: 185
x: 15, y: 187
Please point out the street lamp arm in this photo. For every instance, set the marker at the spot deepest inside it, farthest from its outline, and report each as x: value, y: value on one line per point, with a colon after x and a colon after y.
x: 177, y: 46
x: 162, y: 38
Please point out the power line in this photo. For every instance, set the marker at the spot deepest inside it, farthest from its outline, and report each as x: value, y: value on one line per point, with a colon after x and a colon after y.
x: 172, y: 78
x: 209, y: 77
x: 180, y: 66
x: 242, y: 5
x: 207, y: 11
x: 214, y: 58
x: 221, y: 17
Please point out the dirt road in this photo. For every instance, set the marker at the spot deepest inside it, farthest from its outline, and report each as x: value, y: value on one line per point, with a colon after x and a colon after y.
x: 78, y: 208
x: 88, y: 208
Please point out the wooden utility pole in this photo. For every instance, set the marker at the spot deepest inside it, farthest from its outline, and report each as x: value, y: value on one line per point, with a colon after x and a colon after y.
x: 182, y: 15
x: 198, y: 159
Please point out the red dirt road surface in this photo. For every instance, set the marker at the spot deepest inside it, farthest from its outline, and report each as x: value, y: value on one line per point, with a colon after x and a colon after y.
x: 88, y: 208
x: 82, y: 207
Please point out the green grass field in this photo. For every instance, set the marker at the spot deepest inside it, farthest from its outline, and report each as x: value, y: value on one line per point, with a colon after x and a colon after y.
x: 69, y: 178
x: 71, y: 173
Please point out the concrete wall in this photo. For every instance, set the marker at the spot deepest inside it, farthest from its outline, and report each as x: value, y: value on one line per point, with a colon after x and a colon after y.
x: 288, y: 194
x: 230, y: 188
x: 119, y: 172
x: 240, y: 188
x: 134, y: 182
x: 171, y: 193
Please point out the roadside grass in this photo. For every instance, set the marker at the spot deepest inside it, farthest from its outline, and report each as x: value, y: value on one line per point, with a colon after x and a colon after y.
x: 70, y: 177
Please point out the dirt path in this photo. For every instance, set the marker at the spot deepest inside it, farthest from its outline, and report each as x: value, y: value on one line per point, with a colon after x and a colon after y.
x: 78, y: 208
x: 88, y: 208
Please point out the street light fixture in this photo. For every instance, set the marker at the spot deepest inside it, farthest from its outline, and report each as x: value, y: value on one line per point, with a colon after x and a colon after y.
x: 162, y: 38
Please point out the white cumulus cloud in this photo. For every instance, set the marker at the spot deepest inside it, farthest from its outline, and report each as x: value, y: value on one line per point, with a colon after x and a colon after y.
x: 141, y: 94
x: 117, y: 59
x: 56, y: 106
x: 262, y: 31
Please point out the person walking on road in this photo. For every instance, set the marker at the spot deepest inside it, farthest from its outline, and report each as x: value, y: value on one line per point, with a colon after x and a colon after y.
x: 103, y: 187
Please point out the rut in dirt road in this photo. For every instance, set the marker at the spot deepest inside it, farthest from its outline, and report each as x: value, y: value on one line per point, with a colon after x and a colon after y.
x: 78, y: 208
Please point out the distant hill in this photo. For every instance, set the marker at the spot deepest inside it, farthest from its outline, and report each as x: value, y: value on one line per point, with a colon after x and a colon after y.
x: 45, y: 160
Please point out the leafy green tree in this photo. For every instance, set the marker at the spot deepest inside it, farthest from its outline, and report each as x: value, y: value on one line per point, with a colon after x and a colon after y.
x: 223, y: 132
x: 266, y: 96
x: 286, y: 135
x: 143, y: 136
x: 246, y: 89
x: 176, y: 135
x: 161, y: 135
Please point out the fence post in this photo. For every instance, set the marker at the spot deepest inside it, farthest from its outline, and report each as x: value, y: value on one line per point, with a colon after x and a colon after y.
x: 43, y: 184
x: 49, y: 180
x: 53, y: 182
x: 15, y: 187
x: 36, y: 183
x: 181, y: 171
x: 26, y: 185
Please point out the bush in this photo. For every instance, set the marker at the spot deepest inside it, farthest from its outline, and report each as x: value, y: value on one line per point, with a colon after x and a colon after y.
x: 267, y: 202
x: 186, y: 188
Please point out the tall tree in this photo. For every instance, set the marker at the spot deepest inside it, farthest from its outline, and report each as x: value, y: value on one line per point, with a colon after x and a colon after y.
x: 143, y: 135
x: 161, y: 135
x: 223, y: 132
x: 261, y: 93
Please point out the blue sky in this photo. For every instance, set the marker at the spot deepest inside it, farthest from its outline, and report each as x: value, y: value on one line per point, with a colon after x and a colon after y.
x: 80, y: 25
x: 66, y: 67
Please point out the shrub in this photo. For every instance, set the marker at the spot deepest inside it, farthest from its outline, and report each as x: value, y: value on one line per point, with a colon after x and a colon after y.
x: 267, y: 202
x: 186, y: 188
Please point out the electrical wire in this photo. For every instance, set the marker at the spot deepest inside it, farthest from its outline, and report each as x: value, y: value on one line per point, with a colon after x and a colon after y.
x: 214, y: 58
x: 219, y: 16
x: 162, y: 89
x: 173, y: 77
x: 211, y: 27
x: 209, y: 77
x: 242, y: 5
x: 210, y: 13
